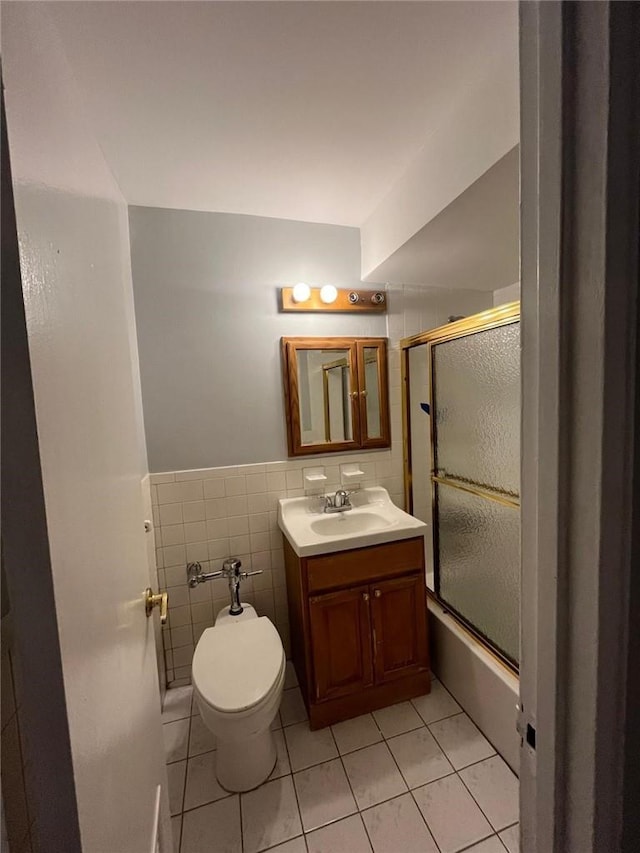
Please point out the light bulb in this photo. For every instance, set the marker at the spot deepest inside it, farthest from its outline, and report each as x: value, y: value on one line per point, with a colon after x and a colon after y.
x: 301, y: 292
x: 328, y: 294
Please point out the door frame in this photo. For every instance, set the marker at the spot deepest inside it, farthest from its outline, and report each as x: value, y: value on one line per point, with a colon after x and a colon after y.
x: 580, y: 197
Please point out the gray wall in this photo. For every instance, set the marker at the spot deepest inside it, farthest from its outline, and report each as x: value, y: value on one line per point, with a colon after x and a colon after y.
x: 206, y: 288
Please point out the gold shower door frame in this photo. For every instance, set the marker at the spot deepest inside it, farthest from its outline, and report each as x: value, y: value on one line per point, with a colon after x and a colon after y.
x: 491, y: 319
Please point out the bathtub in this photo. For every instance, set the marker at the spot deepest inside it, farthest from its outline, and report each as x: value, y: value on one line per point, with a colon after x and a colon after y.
x: 484, y: 687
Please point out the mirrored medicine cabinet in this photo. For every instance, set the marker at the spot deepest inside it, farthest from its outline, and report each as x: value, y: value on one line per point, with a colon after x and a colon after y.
x: 336, y: 394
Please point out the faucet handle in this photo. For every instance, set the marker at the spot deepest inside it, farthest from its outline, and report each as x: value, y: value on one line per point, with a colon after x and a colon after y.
x: 195, y: 575
x: 250, y: 574
x: 341, y: 498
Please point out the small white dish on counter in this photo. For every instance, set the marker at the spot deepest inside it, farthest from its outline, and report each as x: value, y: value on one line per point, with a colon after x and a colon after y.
x: 373, y: 520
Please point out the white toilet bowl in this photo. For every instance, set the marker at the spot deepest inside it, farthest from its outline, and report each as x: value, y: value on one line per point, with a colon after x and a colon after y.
x: 238, y: 676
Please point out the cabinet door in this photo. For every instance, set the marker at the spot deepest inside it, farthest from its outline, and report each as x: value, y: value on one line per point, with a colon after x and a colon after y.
x: 373, y: 393
x: 399, y: 617
x: 341, y: 642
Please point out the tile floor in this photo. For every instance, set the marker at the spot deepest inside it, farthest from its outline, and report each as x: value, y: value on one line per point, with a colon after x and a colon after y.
x: 417, y: 776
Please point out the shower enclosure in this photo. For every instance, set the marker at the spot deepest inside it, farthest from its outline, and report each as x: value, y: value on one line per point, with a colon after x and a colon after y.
x: 462, y: 469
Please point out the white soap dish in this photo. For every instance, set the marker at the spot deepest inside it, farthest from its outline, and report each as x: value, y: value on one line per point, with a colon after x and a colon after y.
x: 313, y: 477
x: 352, y: 475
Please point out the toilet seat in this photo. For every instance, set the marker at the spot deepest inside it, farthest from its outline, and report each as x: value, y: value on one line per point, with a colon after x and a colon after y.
x: 237, y: 666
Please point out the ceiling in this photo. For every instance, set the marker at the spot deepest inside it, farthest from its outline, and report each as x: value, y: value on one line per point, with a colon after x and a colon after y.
x: 299, y: 110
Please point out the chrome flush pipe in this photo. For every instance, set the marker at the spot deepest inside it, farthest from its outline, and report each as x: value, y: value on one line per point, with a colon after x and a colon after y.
x: 231, y: 570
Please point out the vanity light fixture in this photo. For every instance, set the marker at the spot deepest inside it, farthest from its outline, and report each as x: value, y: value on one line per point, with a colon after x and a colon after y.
x: 328, y: 294
x: 303, y: 297
x: 301, y: 292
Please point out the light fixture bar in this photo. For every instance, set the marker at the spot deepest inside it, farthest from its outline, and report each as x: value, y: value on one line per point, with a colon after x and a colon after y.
x: 353, y: 300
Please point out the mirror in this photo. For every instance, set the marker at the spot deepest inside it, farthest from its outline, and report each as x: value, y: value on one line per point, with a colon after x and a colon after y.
x: 337, y: 400
x: 371, y: 388
x: 324, y: 385
x: 336, y: 395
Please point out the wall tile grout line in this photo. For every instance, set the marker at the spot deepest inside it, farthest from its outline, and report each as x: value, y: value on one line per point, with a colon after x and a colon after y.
x: 433, y: 735
x: 457, y: 773
x: 228, y: 795
x: 410, y: 790
x: 486, y: 816
x: 349, y: 780
x: 293, y: 782
x: 463, y: 711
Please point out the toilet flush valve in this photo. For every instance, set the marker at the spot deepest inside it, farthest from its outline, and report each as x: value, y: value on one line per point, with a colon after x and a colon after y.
x: 231, y: 569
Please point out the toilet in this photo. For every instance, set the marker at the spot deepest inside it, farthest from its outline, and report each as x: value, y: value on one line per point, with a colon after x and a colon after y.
x: 238, y: 676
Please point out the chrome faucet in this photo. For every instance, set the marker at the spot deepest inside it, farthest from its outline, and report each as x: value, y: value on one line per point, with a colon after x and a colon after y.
x: 337, y: 503
x: 231, y: 570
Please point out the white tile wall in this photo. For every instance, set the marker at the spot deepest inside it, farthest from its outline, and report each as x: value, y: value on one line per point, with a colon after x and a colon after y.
x: 214, y: 513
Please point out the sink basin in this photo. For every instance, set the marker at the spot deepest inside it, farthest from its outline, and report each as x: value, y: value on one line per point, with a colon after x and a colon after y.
x: 374, y: 519
x: 349, y: 522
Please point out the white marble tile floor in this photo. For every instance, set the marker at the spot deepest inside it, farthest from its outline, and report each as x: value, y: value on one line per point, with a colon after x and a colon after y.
x: 417, y: 777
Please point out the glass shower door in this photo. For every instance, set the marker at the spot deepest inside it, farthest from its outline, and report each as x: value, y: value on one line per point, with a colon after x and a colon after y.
x: 475, y: 410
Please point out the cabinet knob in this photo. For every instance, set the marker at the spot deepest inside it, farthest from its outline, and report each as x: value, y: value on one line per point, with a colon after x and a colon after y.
x: 377, y: 593
x: 365, y: 596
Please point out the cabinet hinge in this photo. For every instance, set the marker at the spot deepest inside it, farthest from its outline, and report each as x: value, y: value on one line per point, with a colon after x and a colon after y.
x: 524, y: 728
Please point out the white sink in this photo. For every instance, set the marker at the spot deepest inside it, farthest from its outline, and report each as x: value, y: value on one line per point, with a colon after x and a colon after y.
x: 352, y: 521
x: 373, y: 520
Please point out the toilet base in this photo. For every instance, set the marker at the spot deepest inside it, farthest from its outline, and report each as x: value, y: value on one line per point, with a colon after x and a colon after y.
x: 244, y: 765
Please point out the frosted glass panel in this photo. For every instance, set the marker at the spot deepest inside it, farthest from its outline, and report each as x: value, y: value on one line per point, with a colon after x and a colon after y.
x: 477, y: 408
x: 479, y: 564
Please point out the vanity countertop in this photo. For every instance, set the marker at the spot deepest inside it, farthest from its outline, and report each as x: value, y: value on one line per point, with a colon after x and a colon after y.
x: 373, y: 520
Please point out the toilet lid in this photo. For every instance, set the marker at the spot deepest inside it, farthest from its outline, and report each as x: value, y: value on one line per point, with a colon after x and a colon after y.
x: 235, y: 666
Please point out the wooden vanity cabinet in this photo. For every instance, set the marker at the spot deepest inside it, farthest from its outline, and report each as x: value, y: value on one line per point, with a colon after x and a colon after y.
x: 358, y: 623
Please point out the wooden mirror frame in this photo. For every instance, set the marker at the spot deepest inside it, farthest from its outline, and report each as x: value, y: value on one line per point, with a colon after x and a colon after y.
x: 355, y: 348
